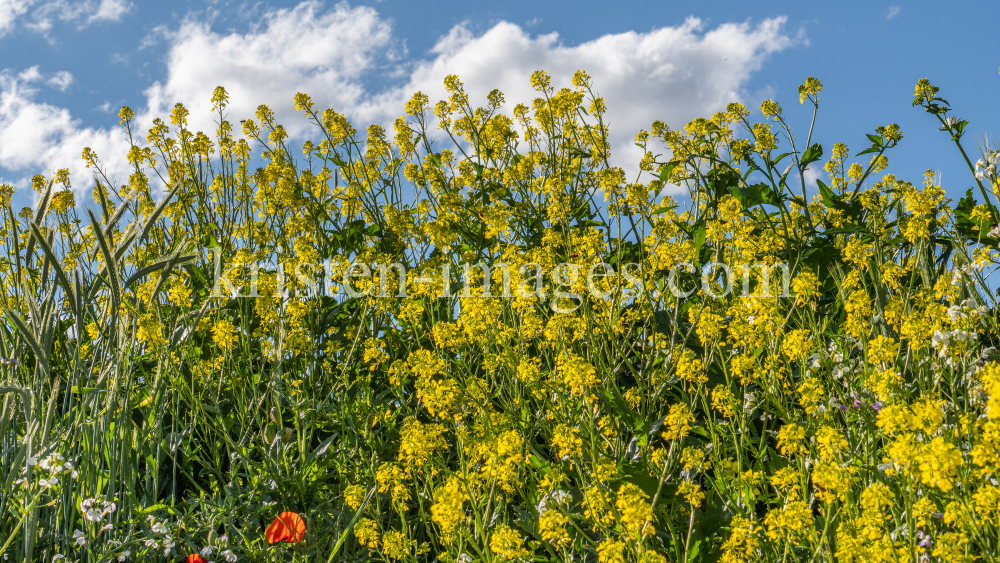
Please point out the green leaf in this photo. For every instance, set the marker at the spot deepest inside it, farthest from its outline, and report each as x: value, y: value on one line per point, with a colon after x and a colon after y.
x: 667, y: 169
x: 756, y: 194
x: 974, y: 230
x: 812, y: 154
x: 832, y: 200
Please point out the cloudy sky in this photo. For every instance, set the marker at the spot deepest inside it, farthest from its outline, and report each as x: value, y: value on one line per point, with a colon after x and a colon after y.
x: 67, y: 66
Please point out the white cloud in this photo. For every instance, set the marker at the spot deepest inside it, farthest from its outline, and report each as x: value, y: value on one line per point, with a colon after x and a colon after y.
x: 60, y: 80
x: 303, y: 49
x: 892, y: 11
x: 110, y: 10
x: 673, y: 74
x: 39, y: 138
x: 10, y: 10
x: 41, y: 18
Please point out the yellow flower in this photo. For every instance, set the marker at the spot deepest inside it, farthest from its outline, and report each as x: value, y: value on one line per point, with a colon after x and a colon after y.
x: 938, y: 463
x: 806, y: 285
x: 610, y: 551
x: 566, y: 442
x: 689, y: 367
x: 224, y: 334
x: 447, y: 508
x: 396, y: 545
x: 552, y: 527
x: 790, y: 440
x: 366, y: 531
x: 741, y: 544
x: 635, y: 514
x: 354, y: 495
x: 723, y: 401
x: 577, y: 373
x: 677, y: 423
x: 764, y: 139
x: 811, y: 395
x: 793, y: 520
x: 770, y: 108
x: 63, y: 201
x: 810, y: 88
x: 797, y: 344
x: 507, y: 543
x: 419, y: 441
x: 692, y: 493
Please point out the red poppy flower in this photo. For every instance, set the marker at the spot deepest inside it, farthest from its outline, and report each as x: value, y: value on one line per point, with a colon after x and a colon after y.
x: 195, y: 558
x: 288, y: 526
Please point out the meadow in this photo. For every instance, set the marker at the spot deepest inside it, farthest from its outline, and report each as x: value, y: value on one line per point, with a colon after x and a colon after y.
x: 768, y: 368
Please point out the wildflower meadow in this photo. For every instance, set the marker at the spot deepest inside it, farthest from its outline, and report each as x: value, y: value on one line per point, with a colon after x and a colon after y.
x: 471, y: 338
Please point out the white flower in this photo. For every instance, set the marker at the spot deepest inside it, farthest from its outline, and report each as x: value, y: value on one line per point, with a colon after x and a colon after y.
x: 79, y: 538
x: 206, y: 551
x: 55, y: 557
x: 110, y: 507
x: 223, y: 539
x: 152, y: 543
x: 159, y: 528
x: 125, y: 555
x: 32, y: 461
x: 940, y: 339
x: 955, y: 312
x: 105, y: 528
x: 814, y: 361
x: 229, y: 556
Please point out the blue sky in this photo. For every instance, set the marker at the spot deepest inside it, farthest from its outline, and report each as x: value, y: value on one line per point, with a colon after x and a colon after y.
x: 67, y: 66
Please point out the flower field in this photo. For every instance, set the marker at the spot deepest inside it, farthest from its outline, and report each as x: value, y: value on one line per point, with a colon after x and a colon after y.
x: 768, y: 368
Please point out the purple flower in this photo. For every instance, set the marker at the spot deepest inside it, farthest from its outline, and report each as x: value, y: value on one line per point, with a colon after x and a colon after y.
x: 877, y: 406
